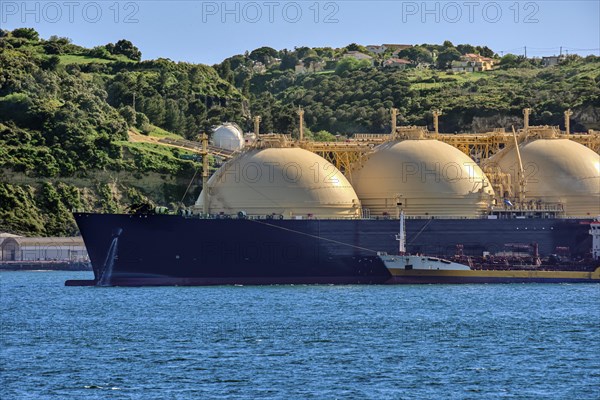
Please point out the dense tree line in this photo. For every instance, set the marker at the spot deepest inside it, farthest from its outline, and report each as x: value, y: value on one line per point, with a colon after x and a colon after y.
x: 359, y: 100
x: 179, y: 97
x: 355, y: 96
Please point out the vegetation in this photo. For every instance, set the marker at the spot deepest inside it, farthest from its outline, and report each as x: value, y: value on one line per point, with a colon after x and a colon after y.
x: 66, y: 112
x: 64, y: 130
x: 359, y: 100
x: 355, y: 96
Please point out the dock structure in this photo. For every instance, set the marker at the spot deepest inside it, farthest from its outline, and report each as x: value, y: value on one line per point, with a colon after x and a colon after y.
x: 477, y: 146
x: 352, y: 152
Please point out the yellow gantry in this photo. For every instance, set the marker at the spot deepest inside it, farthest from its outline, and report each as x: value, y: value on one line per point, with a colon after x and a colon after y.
x: 478, y: 146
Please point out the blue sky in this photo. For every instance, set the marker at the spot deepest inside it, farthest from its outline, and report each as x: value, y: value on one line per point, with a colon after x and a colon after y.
x: 209, y: 31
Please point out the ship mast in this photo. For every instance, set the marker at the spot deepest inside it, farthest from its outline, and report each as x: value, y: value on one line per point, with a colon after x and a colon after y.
x: 401, y: 236
x: 205, y: 172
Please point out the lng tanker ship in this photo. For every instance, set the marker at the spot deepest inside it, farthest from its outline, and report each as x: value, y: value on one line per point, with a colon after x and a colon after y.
x: 280, y: 214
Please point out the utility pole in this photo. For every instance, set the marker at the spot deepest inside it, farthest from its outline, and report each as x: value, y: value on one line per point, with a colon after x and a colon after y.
x: 526, y: 112
x: 133, y: 101
x: 521, y: 173
x: 568, y: 114
x: 204, y: 138
x: 525, y: 51
x: 436, y: 122
x: 301, y: 117
x: 560, y: 54
x: 394, y: 112
x: 257, y: 120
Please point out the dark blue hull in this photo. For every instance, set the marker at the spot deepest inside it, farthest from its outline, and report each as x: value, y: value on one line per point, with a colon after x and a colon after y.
x: 174, y: 250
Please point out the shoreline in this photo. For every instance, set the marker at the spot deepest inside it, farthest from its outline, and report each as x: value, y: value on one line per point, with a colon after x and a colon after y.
x: 45, y: 266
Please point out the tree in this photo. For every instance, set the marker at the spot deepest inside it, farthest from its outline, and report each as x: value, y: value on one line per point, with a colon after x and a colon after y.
x: 485, y: 51
x: 509, y: 61
x: 26, y: 33
x: 311, y: 61
x: 346, y: 64
x: 356, y: 47
x: 99, y: 52
x: 263, y: 54
x: 324, y: 136
x: 446, y: 57
x: 364, y: 64
x: 57, y: 45
x: 126, y: 48
x: 53, y: 48
x: 288, y: 60
x: 465, y: 49
x: 416, y: 54
x: 224, y: 70
x: 302, y: 52
x: 325, y: 52
x: 129, y: 114
x: 174, y: 118
x: 142, y: 122
x: 237, y: 61
x: 50, y: 63
x: 447, y: 44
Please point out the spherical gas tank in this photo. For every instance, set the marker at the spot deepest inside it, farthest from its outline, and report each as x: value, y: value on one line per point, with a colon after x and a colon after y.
x: 280, y: 183
x: 228, y: 136
x: 424, y: 177
x: 556, y: 171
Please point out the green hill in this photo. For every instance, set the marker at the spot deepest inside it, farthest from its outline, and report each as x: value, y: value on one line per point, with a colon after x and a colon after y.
x: 64, y: 120
x: 65, y: 112
x: 359, y: 100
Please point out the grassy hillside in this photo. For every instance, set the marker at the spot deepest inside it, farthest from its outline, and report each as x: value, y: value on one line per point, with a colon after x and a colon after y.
x: 64, y: 127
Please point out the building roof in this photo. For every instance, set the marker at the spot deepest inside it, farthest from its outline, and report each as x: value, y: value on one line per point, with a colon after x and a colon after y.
x: 397, y: 46
x: 359, y: 55
x: 396, y: 61
x: 7, y: 235
x: 44, y: 241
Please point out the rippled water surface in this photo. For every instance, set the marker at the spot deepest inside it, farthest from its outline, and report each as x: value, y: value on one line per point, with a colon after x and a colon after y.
x: 472, y: 341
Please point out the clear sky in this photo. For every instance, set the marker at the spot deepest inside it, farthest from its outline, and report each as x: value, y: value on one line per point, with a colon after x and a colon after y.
x: 209, y: 31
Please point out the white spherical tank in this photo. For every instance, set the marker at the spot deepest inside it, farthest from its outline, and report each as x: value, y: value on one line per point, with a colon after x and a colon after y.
x: 424, y: 177
x: 228, y: 136
x: 556, y: 171
x: 287, y: 182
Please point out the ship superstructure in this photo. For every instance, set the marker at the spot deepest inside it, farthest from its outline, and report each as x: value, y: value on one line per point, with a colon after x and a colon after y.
x: 420, y: 268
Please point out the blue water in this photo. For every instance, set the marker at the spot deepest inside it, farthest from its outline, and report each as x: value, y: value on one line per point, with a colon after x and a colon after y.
x: 422, y: 342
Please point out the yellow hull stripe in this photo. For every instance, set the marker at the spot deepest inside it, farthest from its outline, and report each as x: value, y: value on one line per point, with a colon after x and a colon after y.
x: 595, y: 275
